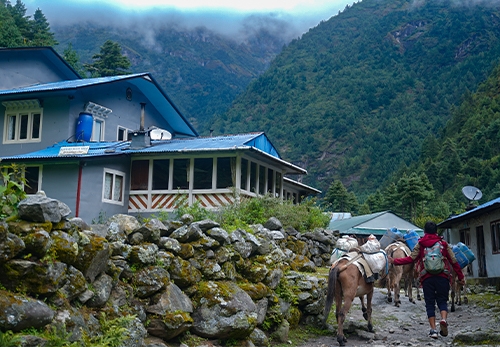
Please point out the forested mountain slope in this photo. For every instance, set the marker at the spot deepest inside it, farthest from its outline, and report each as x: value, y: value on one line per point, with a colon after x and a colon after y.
x: 468, y: 152
x: 202, y: 71
x: 354, y: 98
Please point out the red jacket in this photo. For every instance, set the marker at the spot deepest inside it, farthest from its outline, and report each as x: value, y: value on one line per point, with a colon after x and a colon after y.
x: 418, y: 254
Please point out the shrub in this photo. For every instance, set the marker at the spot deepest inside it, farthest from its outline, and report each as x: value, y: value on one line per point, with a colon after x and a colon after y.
x: 11, y: 189
x: 302, y: 217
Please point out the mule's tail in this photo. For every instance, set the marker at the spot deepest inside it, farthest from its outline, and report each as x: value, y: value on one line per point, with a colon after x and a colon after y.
x: 382, y: 281
x: 330, y: 296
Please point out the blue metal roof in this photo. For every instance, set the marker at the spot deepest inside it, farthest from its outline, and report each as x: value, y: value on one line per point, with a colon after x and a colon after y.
x: 70, y: 84
x: 143, y: 81
x: 251, y: 141
x: 49, y: 53
x: 469, y: 214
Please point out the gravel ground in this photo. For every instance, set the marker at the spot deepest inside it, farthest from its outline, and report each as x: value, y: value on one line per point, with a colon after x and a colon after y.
x: 407, y: 325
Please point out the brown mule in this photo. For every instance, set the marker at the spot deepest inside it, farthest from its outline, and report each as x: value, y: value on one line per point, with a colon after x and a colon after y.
x: 456, y: 290
x: 345, y: 282
x: 391, y: 279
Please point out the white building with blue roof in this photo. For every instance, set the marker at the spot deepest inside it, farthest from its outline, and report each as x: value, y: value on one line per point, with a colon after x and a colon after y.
x: 479, y: 229
x: 88, y: 143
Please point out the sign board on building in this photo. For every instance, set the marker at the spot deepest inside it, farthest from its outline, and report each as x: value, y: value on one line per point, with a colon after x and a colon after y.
x: 73, y: 150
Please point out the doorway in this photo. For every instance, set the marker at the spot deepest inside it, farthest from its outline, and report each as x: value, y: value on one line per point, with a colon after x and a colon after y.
x: 481, y: 253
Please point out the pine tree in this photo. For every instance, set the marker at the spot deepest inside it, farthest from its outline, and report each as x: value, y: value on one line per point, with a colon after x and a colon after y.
x: 22, y: 21
x: 9, y: 33
x: 109, y: 62
x: 40, y: 31
x: 72, y: 58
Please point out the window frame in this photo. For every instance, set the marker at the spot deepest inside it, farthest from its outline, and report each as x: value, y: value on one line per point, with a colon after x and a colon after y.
x: 103, y: 126
x: 495, y: 236
x: 126, y: 132
x: 114, y: 173
x: 16, y: 110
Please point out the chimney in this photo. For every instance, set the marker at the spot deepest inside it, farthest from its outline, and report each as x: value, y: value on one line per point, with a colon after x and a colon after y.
x: 140, y: 138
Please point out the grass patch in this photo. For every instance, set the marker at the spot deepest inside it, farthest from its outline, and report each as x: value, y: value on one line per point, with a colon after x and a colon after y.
x: 302, y: 334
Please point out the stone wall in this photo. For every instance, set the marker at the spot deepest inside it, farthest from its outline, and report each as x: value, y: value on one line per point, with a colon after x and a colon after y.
x: 159, y: 279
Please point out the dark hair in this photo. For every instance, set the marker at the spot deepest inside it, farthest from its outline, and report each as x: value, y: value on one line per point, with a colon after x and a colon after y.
x: 430, y: 228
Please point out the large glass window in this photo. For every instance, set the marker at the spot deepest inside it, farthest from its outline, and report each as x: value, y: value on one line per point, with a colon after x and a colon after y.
x: 161, y: 172
x: 203, y: 173
x: 113, y: 186
x: 139, y: 175
x: 224, y: 173
x: 181, y: 174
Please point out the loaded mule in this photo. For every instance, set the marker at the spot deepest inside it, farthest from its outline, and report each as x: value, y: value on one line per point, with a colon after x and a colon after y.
x: 350, y: 276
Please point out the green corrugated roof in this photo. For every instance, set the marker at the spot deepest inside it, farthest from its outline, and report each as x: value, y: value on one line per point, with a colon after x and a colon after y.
x: 375, y: 223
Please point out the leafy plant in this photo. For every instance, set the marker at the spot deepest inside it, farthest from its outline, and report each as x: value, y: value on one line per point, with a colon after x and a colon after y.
x: 114, y: 332
x: 8, y: 339
x: 11, y: 189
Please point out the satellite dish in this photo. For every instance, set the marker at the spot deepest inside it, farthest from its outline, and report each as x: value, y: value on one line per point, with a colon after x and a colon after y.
x: 472, y: 193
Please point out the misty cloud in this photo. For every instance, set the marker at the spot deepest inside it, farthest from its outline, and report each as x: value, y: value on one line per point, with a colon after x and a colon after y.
x: 146, y: 22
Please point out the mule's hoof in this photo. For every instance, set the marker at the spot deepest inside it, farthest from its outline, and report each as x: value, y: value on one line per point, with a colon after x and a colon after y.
x: 389, y: 299
x: 452, y: 309
x: 341, y: 340
x: 370, y: 328
x: 466, y: 301
x: 365, y: 316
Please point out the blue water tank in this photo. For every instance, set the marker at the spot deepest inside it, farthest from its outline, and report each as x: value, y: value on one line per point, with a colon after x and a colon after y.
x: 84, y: 127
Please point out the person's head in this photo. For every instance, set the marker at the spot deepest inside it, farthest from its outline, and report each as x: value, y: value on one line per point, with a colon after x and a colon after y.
x: 430, y: 228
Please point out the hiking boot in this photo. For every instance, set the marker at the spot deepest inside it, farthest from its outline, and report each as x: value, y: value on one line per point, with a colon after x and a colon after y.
x: 433, y: 333
x: 443, y: 328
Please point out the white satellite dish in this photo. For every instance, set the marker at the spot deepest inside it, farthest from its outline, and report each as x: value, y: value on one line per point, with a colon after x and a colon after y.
x: 472, y: 193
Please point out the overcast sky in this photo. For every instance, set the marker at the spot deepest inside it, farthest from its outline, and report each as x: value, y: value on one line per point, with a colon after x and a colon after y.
x: 221, y: 15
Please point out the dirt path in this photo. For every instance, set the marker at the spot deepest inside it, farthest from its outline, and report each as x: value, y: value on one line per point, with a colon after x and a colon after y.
x: 406, y: 325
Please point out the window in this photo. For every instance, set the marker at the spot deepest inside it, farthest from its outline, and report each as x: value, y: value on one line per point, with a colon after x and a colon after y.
x: 244, y: 172
x: 31, y: 174
x: 99, y: 113
x: 203, y: 173
x: 98, y: 130
x: 224, y: 173
x: 139, y: 175
x: 23, y: 121
x: 181, y: 174
x: 262, y: 180
x: 113, y: 186
x: 32, y: 177
x: 495, y: 236
x: 161, y: 172
x: 124, y: 134
x: 253, y: 177
x: 465, y: 236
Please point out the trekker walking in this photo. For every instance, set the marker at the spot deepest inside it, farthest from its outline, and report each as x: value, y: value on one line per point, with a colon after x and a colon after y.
x: 433, y: 256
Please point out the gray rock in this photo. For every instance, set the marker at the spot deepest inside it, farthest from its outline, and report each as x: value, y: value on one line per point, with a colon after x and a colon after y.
x: 219, y: 234
x: 229, y: 312
x: 126, y: 224
x: 10, y: 247
x: 207, y: 224
x: 150, y: 280
x: 273, y: 223
x: 102, y: 290
x: 19, y: 312
x: 39, y: 208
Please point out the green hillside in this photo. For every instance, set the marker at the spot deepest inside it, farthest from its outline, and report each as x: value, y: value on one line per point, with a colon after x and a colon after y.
x: 201, y: 71
x: 354, y: 98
